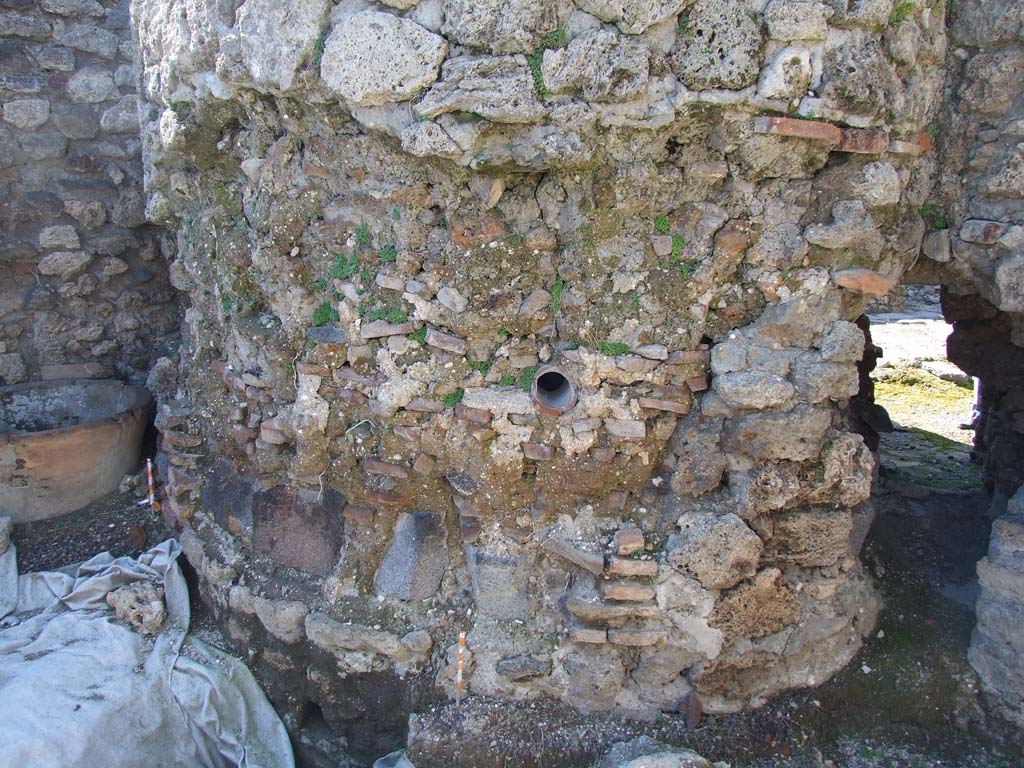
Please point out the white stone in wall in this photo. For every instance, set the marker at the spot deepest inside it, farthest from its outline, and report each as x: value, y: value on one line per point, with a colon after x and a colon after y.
x: 797, y: 19
x: 633, y: 16
x: 754, y: 390
x: 879, y: 185
x: 123, y: 117
x: 500, y: 26
x: 66, y: 264
x: 59, y: 236
x: 718, y: 550
x: 374, y: 58
x: 787, y: 75
x: 428, y: 138
x: 428, y: 14
x: 601, y: 65
x: 851, y: 227
x: 26, y: 114
x: 176, y: 39
x: 90, y: 85
x: 498, y: 88
x: 12, y: 368
x: 721, y: 47
x: 277, y: 38
x: 1010, y: 284
x: 870, y: 14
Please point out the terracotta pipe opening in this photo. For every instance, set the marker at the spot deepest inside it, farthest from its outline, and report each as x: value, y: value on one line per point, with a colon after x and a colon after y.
x: 552, y: 391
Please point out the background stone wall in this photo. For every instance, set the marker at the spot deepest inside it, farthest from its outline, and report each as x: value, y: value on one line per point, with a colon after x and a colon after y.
x: 83, y: 282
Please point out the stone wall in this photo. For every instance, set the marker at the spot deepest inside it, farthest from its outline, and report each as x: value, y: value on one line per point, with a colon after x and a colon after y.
x: 980, y: 260
x: 997, y: 645
x: 390, y: 216
x: 83, y: 284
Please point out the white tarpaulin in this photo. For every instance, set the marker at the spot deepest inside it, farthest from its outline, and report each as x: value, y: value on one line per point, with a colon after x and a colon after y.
x: 79, y: 690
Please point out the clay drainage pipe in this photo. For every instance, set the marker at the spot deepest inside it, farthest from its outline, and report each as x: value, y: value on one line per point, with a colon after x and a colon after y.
x: 552, y: 392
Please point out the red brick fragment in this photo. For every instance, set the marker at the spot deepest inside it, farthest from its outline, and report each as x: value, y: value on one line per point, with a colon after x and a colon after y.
x: 380, y: 328
x: 636, y: 637
x: 377, y: 467
x: 425, y: 406
x: 445, y: 341
x: 664, y: 405
x: 624, y: 566
x: 388, y: 498
x: 243, y: 434
x: 863, y: 141
x: 424, y: 465
x: 627, y: 541
x: 802, y: 129
x: 588, y: 635
x: 697, y: 383
x: 690, y: 708
x: 537, y: 451
x: 678, y: 357
x: 138, y: 536
x: 476, y: 415
x: 627, y: 592
x: 311, y: 369
x: 351, y: 396
x: 591, y: 561
x: 357, y: 515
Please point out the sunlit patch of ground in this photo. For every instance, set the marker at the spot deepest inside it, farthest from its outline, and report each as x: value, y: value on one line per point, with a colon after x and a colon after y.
x: 929, y: 447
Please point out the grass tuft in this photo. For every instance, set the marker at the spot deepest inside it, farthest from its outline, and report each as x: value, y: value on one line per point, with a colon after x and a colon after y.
x: 613, y: 348
x: 325, y: 314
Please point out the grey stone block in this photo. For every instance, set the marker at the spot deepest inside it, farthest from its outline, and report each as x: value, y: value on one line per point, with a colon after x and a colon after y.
x: 416, y: 558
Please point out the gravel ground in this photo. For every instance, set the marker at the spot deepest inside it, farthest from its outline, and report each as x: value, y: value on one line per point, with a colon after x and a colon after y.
x: 114, y: 523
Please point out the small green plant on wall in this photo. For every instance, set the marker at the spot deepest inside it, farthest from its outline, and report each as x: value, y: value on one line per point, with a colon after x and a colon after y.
x: 613, y: 348
x: 344, y: 266
x: 362, y: 234
x: 556, y: 295
x: 325, y: 314
x: 557, y: 39
x: 933, y: 216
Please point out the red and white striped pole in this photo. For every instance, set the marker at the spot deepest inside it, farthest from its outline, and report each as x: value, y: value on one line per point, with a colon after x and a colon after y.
x: 153, y: 503
x: 458, y: 669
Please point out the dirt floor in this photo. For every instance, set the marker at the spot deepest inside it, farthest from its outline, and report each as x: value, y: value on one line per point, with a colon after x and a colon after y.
x: 117, y: 523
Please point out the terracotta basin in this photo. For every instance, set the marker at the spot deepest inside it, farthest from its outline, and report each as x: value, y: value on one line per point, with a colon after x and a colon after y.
x: 63, y: 444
